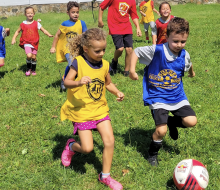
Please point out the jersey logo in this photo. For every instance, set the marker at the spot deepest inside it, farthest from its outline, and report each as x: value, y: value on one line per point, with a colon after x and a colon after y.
x: 95, y: 89
x: 123, y: 8
x: 165, y: 79
x: 71, y: 34
x: 144, y: 9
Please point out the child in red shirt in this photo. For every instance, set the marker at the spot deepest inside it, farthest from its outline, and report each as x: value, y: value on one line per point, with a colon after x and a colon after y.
x: 30, y: 39
x: 162, y: 22
x: 120, y: 28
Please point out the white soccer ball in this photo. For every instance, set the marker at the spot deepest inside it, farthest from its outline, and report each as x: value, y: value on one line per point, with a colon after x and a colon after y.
x: 190, y: 174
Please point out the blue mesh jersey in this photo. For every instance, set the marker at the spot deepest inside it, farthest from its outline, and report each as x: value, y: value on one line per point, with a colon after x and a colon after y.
x: 2, y: 43
x: 71, y: 23
x: 162, y: 80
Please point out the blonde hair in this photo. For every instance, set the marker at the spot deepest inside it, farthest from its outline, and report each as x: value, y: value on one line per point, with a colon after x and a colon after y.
x: 76, y: 44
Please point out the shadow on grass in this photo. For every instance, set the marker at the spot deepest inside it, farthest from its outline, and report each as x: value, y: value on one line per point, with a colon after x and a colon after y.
x: 79, y: 160
x: 23, y: 68
x: 141, y: 139
x: 171, y: 185
x: 2, y: 74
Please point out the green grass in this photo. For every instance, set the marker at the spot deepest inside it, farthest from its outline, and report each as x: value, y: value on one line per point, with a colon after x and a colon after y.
x: 32, y: 137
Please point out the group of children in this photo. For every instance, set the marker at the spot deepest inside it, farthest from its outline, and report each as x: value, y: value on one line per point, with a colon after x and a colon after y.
x: 87, y: 75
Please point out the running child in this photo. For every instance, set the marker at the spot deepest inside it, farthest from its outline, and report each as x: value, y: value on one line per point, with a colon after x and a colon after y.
x: 67, y: 30
x: 162, y: 84
x: 146, y: 10
x: 3, y: 33
x: 29, y: 39
x: 86, y: 105
x: 120, y: 28
x: 162, y: 22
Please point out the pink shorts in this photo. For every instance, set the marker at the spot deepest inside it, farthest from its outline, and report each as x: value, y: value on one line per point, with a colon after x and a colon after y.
x: 88, y: 125
x: 30, y: 50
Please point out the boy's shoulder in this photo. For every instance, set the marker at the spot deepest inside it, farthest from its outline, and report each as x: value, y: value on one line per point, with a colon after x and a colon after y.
x: 70, y: 23
x: 142, y: 3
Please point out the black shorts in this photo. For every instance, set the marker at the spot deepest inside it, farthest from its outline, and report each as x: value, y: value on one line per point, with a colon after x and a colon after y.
x: 122, y: 40
x: 161, y: 115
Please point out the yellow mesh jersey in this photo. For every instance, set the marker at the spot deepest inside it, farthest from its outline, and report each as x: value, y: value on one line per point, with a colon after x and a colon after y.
x: 146, y: 8
x: 87, y: 102
x: 67, y: 32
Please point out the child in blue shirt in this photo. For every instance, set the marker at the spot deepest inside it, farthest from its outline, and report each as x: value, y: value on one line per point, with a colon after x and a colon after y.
x: 3, y: 33
x: 162, y: 84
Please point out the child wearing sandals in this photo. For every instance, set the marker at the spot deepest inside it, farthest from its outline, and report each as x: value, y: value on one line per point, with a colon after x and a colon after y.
x: 30, y: 39
x: 86, y: 105
x: 162, y: 84
x: 3, y: 33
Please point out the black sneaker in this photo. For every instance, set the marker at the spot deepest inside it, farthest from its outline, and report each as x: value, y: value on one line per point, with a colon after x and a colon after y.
x: 153, y: 160
x: 62, y: 85
x: 114, y: 65
x: 172, y: 129
x: 126, y: 73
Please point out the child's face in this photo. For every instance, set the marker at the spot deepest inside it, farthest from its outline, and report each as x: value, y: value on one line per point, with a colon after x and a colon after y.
x: 73, y: 14
x: 96, y: 50
x: 29, y: 14
x: 165, y: 10
x: 176, y: 42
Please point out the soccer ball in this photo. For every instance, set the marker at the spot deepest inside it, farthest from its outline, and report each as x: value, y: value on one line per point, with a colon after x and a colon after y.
x: 190, y: 174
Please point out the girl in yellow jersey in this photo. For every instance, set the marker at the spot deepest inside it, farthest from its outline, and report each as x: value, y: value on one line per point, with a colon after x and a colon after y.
x: 86, y: 105
x: 146, y: 10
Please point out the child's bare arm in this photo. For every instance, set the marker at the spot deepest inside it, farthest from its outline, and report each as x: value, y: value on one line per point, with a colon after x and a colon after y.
x: 191, y: 72
x: 45, y: 32
x: 112, y: 88
x: 138, y: 27
x: 134, y: 58
x: 55, y: 40
x: 70, y: 82
x: 7, y: 30
x: 143, y: 14
x: 100, y: 24
x: 156, y: 11
x: 13, y: 41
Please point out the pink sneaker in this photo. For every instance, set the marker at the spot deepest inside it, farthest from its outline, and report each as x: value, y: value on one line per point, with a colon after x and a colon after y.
x: 1, y: 65
x: 33, y: 73
x: 113, y: 184
x: 28, y: 72
x: 67, y: 154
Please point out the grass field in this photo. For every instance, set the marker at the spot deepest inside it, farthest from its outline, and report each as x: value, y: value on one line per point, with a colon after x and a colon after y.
x: 33, y: 137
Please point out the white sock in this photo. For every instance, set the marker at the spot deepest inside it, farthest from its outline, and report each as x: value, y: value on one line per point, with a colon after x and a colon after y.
x: 158, y: 140
x: 70, y: 146
x: 105, y: 175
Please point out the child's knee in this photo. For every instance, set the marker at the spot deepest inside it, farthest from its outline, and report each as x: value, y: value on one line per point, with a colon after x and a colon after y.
x: 87, y: 149
x: 190, y: 121
x: 109, y: 142
x: 120, y: 49
x: 128, y: 50
x: 29, y: 56
x: 161, y: 130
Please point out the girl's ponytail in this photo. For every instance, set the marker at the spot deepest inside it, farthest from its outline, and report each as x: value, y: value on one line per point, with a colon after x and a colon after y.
x: 75, y: 46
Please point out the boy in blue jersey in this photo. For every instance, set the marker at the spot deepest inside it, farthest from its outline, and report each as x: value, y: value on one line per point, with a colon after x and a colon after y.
x: 68, y: 29
x: 3, y: 33
x: 162, y: 84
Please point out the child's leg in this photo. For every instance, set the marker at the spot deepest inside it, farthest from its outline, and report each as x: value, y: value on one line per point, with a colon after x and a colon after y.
x: 146, y: 26
x: 2, y: 62
x: 154, y: 32
x: 128, y: 44
x: 33, y: 64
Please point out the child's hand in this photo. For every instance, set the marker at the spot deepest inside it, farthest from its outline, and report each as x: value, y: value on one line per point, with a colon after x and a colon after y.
x: 100, y: 24
x: 13, y: 41
x: 133, y: 76
x: 85, y: 80
x: 50, y: 35
x: 52, y: 50
x: 139, y: 34
x: 192, y: 74
x: 120, y: 96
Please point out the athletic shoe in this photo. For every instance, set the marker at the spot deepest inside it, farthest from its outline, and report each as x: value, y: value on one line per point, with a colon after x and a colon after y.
x: 67, y: 154
x: 113, y: 184
x: 1, y: 65
x: 147, y: 38
x: 33, y: 73
x: 28, y: 72
x: 153, y: 160
x: 172, y: 129
x: 114, y: 65
x: 126, y: 73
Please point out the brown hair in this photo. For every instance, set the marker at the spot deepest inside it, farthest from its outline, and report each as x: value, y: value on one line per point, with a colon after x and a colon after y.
x: 76, y: 44
x: 26, y: 8
x: 71, y: 4
x: 164, y: 3
x: 178, y: 25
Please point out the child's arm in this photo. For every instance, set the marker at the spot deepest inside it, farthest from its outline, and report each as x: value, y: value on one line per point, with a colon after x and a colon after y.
x: 100, y: 24
x: 69, y: 80
x: 13, y: 41
x: 7, y: 30
x: 132, y: 74
x: 45, y: 32
x: 191, y: 72
x: 55, y: 40
x: 138, y: 27
x: 112, y: 88
x: 143, y: 14
x: 156, y: 11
